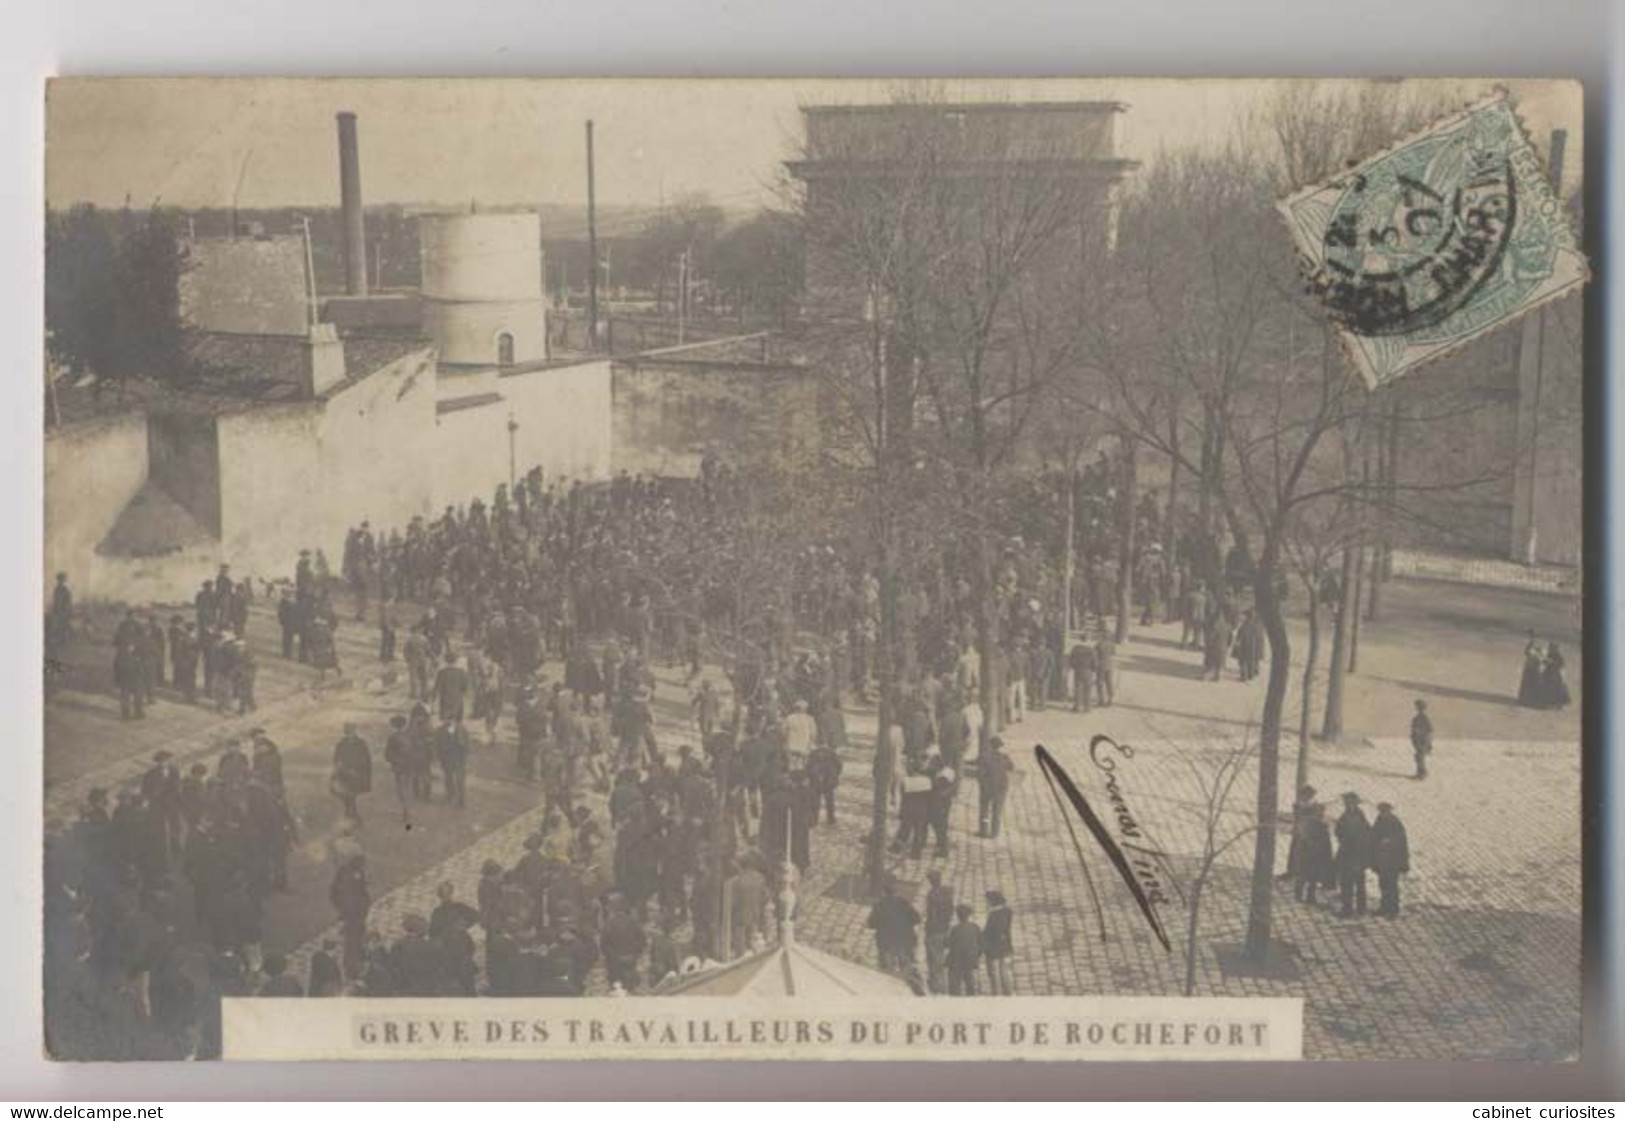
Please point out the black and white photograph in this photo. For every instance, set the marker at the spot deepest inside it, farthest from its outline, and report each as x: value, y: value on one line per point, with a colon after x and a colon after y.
x: 933, y: 569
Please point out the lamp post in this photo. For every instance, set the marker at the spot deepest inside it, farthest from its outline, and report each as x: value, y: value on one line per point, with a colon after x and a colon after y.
x: 513, y: 467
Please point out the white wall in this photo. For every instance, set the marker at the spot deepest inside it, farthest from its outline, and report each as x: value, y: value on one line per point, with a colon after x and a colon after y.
x: 92, y: 470
x: 563, y: 413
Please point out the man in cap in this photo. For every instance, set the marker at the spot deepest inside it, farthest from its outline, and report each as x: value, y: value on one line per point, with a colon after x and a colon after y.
x: 451, y: 688
x: 352, y: 899
x: 939, y: 920
x: 993, y: 779
x: 451, y: 746
x: 998, y: 944
x: 893, y: 919
x: 398, y: 754
x: 1353, y: 856
x: 1421, y: 738
x: 1390, y: 857
x: 352, y: 771
x: 964, y: 953
x: 287, y: 617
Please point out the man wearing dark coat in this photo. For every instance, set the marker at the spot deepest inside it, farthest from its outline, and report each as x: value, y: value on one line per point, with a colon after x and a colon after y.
x: 1421, y: 738
x: 964, y: 953
x: 451, y: 746
x: 352, y: 771
x: 287, y: 616
x: 1390, y: 857
x: 894, y: 919
x: 824, y: 776
x: 183, y: 652
x: 939, y: 920
x: 417, y: 962
x: 998, y: 944
x: 1312, y: 863
x: 993, y: 777
x: 205, y: 604
x: 1353, y: 856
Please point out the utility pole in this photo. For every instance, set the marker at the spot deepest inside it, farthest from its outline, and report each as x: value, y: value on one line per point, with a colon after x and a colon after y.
x: 592, y: 249
x: 1533, y: 349
x: 682, y: 297
x: 310, y: 272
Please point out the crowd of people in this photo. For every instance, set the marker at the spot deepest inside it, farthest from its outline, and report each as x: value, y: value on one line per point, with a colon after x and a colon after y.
x: 1363, y: 846
x: 654, y: 848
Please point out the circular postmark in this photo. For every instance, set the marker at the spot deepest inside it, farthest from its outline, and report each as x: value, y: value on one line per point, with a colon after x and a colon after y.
x: 1412, y: 238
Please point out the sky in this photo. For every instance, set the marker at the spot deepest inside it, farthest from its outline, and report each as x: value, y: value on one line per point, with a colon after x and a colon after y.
x: 517, y: 142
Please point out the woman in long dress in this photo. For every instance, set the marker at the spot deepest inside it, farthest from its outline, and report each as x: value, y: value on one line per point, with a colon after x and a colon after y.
x: 1554, y: 687
x: 1534, y: 668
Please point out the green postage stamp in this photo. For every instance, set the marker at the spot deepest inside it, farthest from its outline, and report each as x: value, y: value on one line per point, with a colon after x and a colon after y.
x: 1426, y: 246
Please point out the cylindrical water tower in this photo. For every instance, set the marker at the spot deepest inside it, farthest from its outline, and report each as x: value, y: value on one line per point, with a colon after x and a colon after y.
x: 482, y: 287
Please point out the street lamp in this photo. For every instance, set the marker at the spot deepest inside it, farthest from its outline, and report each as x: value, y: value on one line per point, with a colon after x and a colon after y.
x: 513, y: 431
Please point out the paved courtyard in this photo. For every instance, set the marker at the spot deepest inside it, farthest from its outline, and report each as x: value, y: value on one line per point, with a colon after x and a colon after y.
x: 1484, y: 961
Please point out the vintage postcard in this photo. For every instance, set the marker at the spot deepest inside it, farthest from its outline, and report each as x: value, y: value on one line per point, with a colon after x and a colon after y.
x: 1068, y: 569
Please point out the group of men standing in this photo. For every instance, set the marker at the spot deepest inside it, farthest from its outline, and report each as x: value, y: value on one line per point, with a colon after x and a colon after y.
x: 1362, y: 846
x: 213, y: 641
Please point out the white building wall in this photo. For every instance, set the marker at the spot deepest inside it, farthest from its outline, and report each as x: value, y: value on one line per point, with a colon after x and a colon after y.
x: 92, y: 470
x: 563, y: 415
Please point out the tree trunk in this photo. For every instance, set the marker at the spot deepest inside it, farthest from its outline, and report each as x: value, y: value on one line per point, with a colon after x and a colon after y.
x: 1331, y: 726
x: 1195, y: 923
x: 1354, y: 616
x: 885, y: 661
x: 1125, y: 557
x: 1260, y: 907
x: 1311, y: 661
x: 1071, y: 545
x: 1379, y: 547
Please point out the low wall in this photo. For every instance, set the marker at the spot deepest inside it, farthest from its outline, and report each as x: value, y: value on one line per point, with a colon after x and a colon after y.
x: 92, y: 470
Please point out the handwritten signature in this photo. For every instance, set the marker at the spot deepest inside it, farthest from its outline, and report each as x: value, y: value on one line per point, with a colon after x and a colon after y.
x: 1138, y: 863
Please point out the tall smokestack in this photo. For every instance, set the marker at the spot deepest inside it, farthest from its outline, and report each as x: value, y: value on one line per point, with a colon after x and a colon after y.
x: 355, y: 226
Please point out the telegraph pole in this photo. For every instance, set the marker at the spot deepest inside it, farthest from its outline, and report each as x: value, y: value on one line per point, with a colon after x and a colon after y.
x: 592, y: 250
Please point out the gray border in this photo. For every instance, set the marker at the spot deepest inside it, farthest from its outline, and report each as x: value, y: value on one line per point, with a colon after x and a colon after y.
x: 1575, y: 38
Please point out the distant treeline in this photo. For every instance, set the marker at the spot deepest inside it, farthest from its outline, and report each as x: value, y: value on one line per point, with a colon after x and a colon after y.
x: 749, y: 266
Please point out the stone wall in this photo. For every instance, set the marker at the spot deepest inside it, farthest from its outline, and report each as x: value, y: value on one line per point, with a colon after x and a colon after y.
x: 672, y: 412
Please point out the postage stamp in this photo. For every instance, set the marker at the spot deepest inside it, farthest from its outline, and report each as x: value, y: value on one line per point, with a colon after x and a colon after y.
x: 1436, y: 241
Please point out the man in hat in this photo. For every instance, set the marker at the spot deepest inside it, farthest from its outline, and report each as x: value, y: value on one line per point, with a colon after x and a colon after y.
x: 893, y: 919
x: 993, y: 779
x: 352, y: 899
x: 800, y: 733
x: 352, y: 771
x: 61, y: 607
x: 204, y: 604
x: 451, y: 688
x: 161, y: 787
x: 1082, y: 662
x: 417, y: 961
x: 1421, y: 738
x: 398, y: 754
x: 998, y: 944
x: 939, y: 920
x: 1390, y: 857
x: 451, y: 746
x: 183, y: 656
x: 1353, y: 856
x: 129, y: 673
x: 287, y: 616
x: 964, y: 953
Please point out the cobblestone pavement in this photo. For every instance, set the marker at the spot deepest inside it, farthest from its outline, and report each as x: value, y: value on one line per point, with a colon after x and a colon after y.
x: 1484, y: 962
